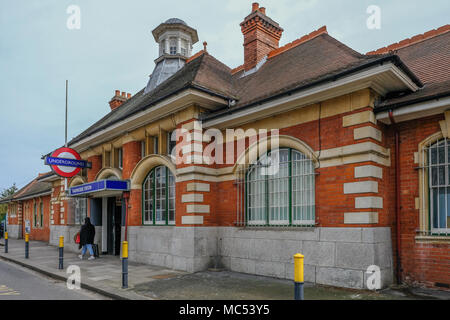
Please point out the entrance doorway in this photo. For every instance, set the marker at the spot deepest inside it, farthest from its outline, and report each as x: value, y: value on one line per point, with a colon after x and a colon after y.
x: 114, y: 225
x: 111, y: 225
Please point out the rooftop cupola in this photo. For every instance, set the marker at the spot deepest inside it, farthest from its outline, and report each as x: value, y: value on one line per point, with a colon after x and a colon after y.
x: 175, y: 39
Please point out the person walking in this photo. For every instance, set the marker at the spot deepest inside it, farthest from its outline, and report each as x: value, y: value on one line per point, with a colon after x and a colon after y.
x: 87, y: 234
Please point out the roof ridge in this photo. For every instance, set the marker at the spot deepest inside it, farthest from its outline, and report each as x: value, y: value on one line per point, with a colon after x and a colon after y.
x: 195, y: 56
x: 25, y: 188
x: 413, y: 40
x: 297, y: 42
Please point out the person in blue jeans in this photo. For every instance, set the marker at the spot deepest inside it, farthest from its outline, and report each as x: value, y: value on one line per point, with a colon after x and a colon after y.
x: 87, y: 234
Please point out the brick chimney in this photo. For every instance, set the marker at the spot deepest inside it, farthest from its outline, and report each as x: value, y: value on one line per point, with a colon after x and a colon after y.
x: 261, y: 35
x: 118, y: 99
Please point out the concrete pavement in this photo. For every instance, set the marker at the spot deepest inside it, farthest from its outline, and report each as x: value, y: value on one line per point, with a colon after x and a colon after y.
x: 104, y: 276
x: 18, y: 283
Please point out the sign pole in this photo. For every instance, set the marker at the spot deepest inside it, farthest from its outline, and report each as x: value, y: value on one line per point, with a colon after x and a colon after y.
x: 65, y: 144
x: 67, y: 85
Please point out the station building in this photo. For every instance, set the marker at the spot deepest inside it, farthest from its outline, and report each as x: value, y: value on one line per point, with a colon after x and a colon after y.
x: 363, y: 158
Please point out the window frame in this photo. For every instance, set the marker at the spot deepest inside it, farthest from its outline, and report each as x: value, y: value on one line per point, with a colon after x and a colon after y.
x: 35, y: 213
x: 308, y: 223
x: 82, y: 212
x: 153, y: 221
x: 120, y: 158
x: 431, y: 188
x: 41, y: 211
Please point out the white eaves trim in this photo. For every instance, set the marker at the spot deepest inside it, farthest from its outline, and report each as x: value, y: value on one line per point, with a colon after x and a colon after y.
x: 158, y: 111
x: 415, y: 111
x: 37, y: 195
x: 381, y: 78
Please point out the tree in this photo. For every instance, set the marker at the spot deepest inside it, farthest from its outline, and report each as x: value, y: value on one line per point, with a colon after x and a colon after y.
x: 4, y: 194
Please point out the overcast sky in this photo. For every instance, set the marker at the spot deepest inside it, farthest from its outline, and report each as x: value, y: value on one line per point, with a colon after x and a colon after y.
x: 114, y: 49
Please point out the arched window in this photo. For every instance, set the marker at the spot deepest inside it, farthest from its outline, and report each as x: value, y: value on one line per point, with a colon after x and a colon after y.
x: 438, y: 160
x: 280, y: 190
x: 158, y: 197
x: 173, y: 45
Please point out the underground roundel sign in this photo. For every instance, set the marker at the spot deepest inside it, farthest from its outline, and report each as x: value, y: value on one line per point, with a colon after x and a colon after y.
x: 65, y: 162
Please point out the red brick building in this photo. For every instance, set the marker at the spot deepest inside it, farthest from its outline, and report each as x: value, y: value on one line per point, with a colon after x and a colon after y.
x: 358, y: 143
x: 29, y: 211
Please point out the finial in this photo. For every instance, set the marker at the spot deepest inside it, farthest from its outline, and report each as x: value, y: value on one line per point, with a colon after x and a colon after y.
x: 204, y: 46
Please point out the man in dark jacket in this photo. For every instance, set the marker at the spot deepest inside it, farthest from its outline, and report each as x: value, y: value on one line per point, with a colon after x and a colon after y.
x: 87, y: 234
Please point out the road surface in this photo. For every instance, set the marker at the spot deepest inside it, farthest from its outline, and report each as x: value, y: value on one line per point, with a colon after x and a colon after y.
x: 18, y: 283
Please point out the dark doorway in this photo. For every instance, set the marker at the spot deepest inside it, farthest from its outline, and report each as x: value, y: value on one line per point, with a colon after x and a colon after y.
x: 114, y: 225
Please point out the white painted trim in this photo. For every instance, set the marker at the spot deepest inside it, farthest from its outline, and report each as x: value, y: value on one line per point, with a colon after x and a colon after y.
x: 366, y: 78
x: 163, y: 109
x: 416, y: 111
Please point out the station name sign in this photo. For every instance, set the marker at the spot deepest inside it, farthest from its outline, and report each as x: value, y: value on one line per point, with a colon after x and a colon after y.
x: 67, y: 162
x: 97, y: 186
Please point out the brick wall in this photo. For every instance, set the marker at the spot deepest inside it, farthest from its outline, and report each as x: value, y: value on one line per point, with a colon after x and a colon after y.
x: 424, y: 263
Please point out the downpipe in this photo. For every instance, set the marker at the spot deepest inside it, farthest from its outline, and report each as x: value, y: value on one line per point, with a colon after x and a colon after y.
x: 397, y: 195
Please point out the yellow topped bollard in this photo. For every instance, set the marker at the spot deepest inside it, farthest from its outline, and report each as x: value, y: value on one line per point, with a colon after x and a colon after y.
x: 298, y: 276
x: 6, y: 241
x: 125, y: 264
x: 61, y: 253
x: 27, y: 248
x: 125, y: 249
x: 298, y: 267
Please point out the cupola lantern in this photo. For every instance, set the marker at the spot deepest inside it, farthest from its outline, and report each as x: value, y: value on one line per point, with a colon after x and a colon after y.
x: 175, y: 39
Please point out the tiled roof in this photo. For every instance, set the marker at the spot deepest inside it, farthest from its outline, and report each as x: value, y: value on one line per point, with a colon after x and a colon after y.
x: 313, y: 58
x: 34, y: 187
x: 429, y: 59
x: 203, y: 73
x: 305, y: 63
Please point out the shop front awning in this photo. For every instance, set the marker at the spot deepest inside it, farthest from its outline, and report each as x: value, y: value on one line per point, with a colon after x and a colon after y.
x: 101, y: 188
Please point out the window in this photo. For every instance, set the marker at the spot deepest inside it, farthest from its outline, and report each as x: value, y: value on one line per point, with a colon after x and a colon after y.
x: 438, y: 172
x: 120, y: 156
x: 35, y: 214
x: 107, y: 159
x: 155, y: 145
x: 159, y: 197
x: 171, y: 143
x: 162, y: 47
x: 13, y: 210
x: 143, y: 149
x: 173, y: 46
x: 41, y: 211
x: 80, y: 210
x: 281, y: 195
x: 184, y: 47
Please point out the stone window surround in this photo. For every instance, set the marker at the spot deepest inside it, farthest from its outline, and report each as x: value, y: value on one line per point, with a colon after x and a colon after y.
x: 424, y: 223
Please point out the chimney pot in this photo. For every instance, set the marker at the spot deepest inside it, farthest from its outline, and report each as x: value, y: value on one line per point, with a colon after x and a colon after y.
x: 118, y: 99
x: 128, y: 95
x: 259, y: 44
